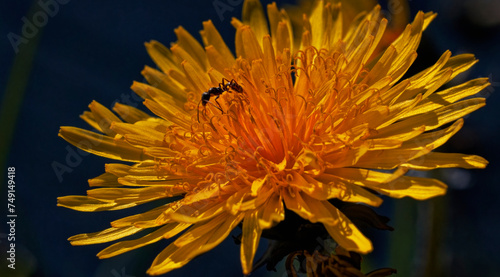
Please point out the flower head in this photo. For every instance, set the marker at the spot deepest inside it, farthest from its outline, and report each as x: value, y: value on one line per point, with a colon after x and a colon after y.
x: 279, y: 126
x: 341, y: 265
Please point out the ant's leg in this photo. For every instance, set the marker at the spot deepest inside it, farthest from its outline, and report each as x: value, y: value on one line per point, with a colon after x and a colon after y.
x: 223, y: 85
x: 220, y: 108
x: 198, y: 109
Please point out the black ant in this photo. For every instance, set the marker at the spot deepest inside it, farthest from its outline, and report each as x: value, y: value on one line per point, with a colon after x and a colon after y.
x: 225, y: 85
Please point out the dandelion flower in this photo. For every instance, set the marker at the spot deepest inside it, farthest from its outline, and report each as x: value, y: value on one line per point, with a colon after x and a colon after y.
x: 317, y: 264
x: 286, y: 127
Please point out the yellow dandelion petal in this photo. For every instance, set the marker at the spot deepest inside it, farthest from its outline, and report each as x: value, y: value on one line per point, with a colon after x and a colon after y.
x: 445, y: 160
x: 125, y: 246
x: 272, y: 212
x: 213, y: 39
x: 346, y: 234
x: 195, y: 241
x: 107, y: 235
x: 129, y: 113
x: 102, y: 145
x: 253, y: 15
x: 251, y: 232
x: 312, y: 110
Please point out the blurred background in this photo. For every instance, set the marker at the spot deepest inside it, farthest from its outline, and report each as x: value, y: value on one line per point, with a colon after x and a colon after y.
x: 83, y: 51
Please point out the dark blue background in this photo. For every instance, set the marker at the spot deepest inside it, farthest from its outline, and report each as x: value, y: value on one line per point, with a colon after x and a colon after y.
x: 95, y: 50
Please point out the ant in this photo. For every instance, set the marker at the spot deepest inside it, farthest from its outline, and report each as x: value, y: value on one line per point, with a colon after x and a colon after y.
x: 225, y: 85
